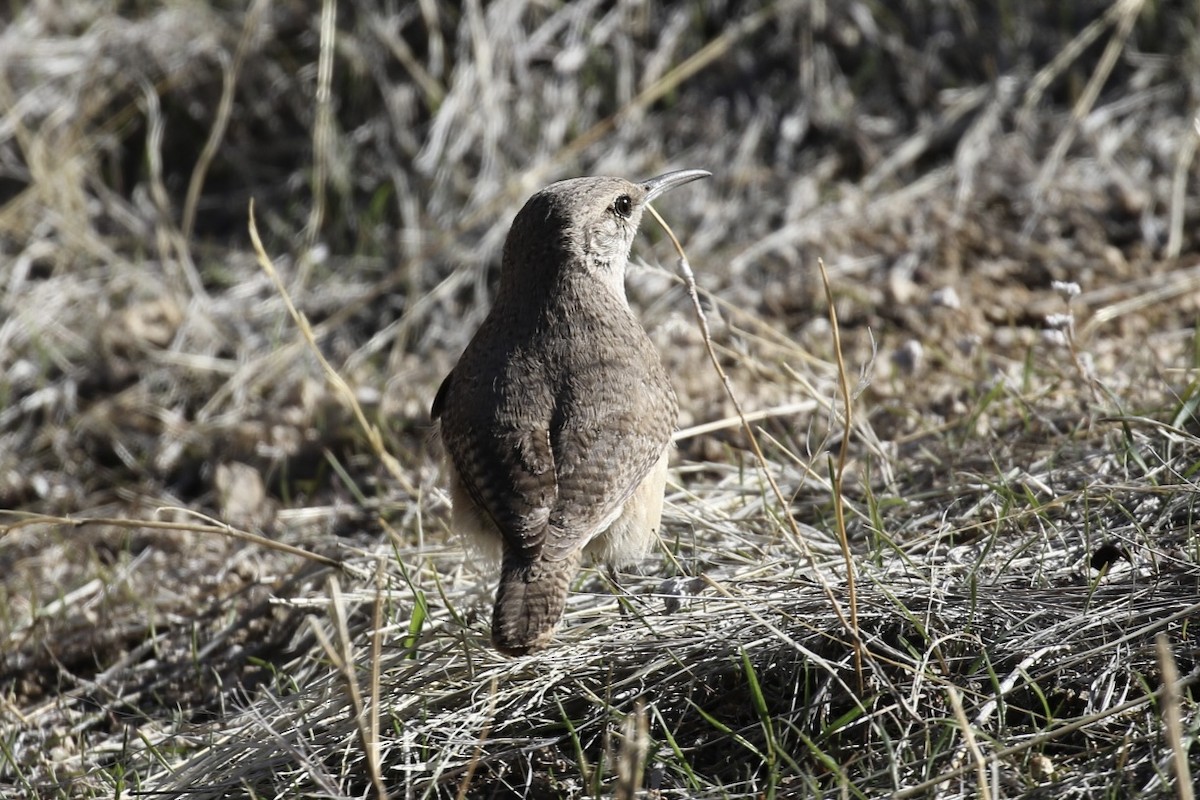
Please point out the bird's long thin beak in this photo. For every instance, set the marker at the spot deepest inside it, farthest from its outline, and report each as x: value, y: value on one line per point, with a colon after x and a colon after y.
x: 656, y: 186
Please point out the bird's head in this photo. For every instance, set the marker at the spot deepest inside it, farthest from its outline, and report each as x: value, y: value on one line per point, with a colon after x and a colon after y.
x: 582, y: 224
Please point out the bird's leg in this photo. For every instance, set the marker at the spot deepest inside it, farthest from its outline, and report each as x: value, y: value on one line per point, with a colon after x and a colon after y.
x: 625, y: 599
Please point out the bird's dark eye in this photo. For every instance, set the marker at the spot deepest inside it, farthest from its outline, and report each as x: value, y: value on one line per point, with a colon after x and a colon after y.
x: 623, y: 205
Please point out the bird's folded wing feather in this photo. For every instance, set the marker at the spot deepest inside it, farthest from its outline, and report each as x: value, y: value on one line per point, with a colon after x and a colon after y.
x: 604, y: 446
x: 499, y: 443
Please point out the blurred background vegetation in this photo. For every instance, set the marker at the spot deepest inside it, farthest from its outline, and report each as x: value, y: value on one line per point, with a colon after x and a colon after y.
x: 912, y: 147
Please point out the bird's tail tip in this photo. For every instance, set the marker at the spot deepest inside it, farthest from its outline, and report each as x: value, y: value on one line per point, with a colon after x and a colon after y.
x: 529, y: 603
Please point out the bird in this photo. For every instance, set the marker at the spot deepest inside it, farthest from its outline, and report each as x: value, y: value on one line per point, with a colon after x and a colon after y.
x: 556, y: 421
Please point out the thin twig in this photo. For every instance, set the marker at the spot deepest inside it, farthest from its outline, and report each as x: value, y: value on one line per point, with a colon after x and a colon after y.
x: 1173, y: 718
x: 216, y: 526
x: 960, y: 716
x: 343, y: 660
x: 323, y: 125
x: 785, y: 410
x: 376, y: 699
x: 1179, y: 181
x: 839, y: 473
x: 170, y: 239
x: 229, y: 77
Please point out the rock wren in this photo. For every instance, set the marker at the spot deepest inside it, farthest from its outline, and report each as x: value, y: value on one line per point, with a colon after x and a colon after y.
x: 557, y: 419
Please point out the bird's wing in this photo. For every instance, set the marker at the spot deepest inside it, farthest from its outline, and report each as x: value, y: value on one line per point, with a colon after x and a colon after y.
x: 605, y: 442
x: 496, y: 431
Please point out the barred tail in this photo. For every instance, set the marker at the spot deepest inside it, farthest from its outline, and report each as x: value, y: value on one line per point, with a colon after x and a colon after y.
x: 530, y: 602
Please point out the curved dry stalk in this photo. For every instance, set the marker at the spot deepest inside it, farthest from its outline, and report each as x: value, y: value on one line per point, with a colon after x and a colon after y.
x: 850, y: 624
x: 374, y: 437
x: 216, y: 134
x: 215, y: 526
x: 839, y: 507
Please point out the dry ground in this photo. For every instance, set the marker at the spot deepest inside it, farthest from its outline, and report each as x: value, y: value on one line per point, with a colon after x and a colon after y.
x: 215, y: 582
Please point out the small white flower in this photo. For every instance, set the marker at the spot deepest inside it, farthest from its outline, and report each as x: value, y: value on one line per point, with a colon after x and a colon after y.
x: 946, y: 297
x: 1054, y: 338
x: 1067, y: 289
x: 319, y: 253
x: 1060, y: 322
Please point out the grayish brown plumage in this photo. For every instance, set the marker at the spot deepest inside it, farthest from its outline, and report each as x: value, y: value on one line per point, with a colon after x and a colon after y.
x: 557, y: 419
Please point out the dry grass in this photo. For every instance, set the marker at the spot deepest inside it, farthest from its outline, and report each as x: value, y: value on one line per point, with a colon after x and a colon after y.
x: 214, y: 584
